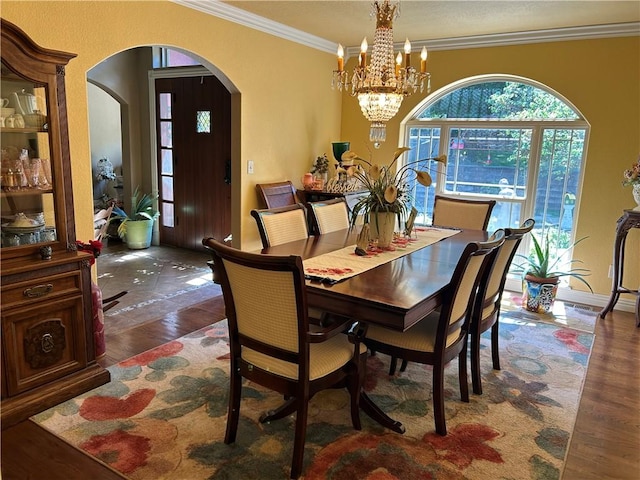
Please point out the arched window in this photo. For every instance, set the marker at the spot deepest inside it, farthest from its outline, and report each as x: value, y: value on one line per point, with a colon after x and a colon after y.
x: 506, y: 138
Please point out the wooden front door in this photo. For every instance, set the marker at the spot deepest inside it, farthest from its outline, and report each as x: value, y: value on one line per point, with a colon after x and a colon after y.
x: 193, y: 125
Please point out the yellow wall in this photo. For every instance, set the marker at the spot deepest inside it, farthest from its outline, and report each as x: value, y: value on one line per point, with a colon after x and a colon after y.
x: 289, y: 114
x: 599, y: 77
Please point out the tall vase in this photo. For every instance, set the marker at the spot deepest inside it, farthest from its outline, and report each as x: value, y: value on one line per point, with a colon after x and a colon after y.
x: 338, y: 149
x: 636, y: 193
x: 381, y: 227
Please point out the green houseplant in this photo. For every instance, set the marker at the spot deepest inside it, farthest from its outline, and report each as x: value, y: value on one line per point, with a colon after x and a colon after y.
x: 387, y: 198
x: 542, y: 272
x: 136, y: 228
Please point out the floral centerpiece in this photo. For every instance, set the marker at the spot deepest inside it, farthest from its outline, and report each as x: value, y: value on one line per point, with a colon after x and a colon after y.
x: 632, y: 178
x: 388, y: 187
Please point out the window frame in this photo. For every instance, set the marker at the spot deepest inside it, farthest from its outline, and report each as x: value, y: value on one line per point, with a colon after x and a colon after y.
x: 538, y: 127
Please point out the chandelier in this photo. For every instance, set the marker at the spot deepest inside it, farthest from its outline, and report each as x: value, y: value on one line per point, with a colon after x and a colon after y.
x: 382, y: 85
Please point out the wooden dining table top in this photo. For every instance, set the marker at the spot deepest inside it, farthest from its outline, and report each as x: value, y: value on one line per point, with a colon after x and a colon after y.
x: 396, y: 294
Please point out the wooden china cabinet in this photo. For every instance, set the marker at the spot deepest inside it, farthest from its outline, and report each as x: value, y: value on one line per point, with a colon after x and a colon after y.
x: 47, y: 335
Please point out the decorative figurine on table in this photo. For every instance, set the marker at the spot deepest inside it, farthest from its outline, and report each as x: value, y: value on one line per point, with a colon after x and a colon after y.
x: 363, y: 241
x: 411, y: 220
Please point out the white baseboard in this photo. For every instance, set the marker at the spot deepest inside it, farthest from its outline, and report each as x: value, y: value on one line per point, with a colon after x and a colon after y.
x: 626, y: 303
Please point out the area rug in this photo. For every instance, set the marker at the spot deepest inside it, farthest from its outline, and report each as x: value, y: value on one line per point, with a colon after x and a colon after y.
x: 163, y: 416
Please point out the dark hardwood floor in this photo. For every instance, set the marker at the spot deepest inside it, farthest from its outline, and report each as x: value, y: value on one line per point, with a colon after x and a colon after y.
x: 605, y: 442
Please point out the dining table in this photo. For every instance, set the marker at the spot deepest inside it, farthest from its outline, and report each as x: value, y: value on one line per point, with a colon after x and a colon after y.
x: 396, y: 294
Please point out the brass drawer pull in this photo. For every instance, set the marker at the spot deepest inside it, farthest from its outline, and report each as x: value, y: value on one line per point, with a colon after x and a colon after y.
x: 38, y: 291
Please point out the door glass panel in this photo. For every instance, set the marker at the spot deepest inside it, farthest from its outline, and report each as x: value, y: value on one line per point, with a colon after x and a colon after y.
x: 203, y: 122
x: 166, y: 167
x: 166, y: 134
x: 165, y: 106
x: 167, y: 189
x: 167, y: 215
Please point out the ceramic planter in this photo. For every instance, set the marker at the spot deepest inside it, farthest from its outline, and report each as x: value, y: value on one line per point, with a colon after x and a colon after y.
x: 538, y: 294
x: 139, y: 233
x: 381, y: 227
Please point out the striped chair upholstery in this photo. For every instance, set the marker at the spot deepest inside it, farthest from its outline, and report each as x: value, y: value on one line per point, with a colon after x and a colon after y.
x: 328, y: 216
x: 282, y: 224
x: 462, y: 213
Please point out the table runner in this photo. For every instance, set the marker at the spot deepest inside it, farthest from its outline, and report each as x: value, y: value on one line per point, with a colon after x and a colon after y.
x: 341, y: 264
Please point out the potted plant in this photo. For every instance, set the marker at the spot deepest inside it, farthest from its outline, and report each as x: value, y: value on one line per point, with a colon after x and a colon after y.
x: 388, y: 199
x: 321, y: 167
x: 542, y: 273
x: 136, y: 228
x: 632, y: 179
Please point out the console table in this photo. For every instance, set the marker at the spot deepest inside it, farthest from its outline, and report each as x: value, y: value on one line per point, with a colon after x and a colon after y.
x: 630, y: 219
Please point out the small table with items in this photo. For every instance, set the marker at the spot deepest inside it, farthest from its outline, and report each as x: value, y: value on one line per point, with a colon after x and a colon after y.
x: 629, y: 219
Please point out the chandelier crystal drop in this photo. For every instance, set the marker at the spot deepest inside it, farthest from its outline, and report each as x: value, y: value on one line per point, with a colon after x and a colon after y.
x: 382, y: 84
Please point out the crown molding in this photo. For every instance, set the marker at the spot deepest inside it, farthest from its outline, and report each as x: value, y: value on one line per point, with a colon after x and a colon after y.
x: 251, y: 20
x: 242, y: 17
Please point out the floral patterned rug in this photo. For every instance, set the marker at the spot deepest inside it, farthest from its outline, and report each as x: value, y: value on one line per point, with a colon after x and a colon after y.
x: 163, y: 415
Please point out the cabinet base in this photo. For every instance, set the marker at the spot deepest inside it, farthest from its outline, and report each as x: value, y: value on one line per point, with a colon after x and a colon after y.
x: 18, y: 408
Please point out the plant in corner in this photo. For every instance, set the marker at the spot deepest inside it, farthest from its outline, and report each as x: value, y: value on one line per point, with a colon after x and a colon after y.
x: 137, y: 228
x: 388, y: 198
x: 542, y: 273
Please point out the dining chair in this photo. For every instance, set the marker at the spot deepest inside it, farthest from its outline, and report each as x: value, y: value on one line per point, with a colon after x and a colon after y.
x: 101, y: 223
x: 281, y: 224
x: 273, y: 342
x: 462, y: 213
x: 278, y: 194
x: 442, y: 335
x: 486, y: 311
x: 328, y: 215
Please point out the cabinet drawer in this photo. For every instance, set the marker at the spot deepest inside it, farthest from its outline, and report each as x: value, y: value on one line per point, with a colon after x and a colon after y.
x: 44, y: 288
x: 42, y: 343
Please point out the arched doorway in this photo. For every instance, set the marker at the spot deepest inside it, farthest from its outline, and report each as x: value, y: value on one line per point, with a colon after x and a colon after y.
x: 130, y: 77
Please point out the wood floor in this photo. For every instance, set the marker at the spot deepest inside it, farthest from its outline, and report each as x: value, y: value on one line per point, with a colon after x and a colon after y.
x: 605, y: 442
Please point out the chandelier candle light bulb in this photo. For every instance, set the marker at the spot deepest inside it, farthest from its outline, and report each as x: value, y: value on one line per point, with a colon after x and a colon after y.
x: 423, y: 60
x: 407, y: 53
x: 340, y: 58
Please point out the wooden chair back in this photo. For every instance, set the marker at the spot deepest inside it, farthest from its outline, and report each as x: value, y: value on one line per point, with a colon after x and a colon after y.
x: 442, y: 336
x: 328, y: 216
x: 486, y: 310
x: 282, y: 224
x: 462, y: 213
x: 278, y: 194
x: 272, y: 344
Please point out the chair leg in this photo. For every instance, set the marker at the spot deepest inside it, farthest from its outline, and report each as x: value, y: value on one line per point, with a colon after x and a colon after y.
x: 233, y: 414
x: 393, y: 365
x: 495, y: 348
x: 355, y: 382
x: 299, y: 439
x: 403, y: 367
x: 475, y: 363
x: 287, y: 408
x: 462, y: 375
x: 438, y: 399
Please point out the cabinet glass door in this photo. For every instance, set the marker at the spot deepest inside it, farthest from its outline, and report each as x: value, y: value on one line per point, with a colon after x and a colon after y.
x: 27, y: 193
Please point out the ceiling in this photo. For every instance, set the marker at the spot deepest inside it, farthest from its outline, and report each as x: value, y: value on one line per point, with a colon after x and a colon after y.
x: 347, y: 22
